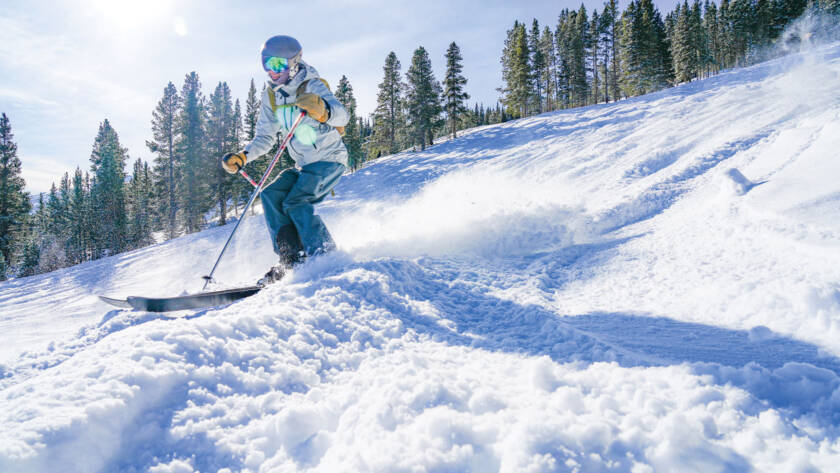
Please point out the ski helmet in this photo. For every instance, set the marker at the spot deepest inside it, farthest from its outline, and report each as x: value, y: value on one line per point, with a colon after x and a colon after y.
x: 284, y: 47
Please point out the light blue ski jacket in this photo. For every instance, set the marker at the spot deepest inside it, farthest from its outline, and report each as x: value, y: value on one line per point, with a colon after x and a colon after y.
x: 313, y: 141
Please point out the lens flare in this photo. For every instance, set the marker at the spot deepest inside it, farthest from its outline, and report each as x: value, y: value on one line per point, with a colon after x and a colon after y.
x: 306, y: 134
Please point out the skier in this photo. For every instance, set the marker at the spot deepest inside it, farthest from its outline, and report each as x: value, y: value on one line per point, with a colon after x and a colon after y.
x: 319, y: 154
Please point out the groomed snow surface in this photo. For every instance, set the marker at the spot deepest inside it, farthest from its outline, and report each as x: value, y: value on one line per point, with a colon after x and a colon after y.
x: 646, y: 286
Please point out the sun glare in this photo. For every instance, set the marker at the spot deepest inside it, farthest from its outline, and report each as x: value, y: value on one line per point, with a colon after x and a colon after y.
x: 180, y: 26
x: 132, y: 14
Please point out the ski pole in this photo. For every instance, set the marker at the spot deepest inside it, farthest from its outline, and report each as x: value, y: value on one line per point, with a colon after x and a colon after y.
x: 248, y: 178
x: 257, y: 190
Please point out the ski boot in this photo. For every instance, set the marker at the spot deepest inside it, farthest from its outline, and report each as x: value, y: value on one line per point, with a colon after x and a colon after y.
x: 291, y: 254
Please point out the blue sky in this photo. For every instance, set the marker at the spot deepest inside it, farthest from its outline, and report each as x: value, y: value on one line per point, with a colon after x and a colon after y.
x: 67, y: 65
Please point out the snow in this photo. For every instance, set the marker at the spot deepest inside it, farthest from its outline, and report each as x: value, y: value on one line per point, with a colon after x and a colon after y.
x: 649, y: 285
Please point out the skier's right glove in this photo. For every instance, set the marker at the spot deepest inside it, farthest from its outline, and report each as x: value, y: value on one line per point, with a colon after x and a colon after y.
x: 233, y: 162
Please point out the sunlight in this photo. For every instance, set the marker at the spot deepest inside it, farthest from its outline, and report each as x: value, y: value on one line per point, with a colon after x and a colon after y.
x: 180, y: 26
x: 132, y: 14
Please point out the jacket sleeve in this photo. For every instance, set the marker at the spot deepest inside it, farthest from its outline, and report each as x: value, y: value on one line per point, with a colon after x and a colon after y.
x: 338, y: 114
x: 266, y: 133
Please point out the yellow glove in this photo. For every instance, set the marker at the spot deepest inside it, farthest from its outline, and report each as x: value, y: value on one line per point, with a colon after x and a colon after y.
x: 233, y: 162
x: 314, y: 106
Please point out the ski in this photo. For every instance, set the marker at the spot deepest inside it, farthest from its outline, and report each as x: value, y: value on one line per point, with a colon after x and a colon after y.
x: 190, y: 301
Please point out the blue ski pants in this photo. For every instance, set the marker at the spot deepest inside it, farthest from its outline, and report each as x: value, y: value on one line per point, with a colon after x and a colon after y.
x: 290, y: 199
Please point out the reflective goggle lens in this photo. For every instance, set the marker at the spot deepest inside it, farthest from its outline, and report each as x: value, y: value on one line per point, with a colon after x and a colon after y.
x: 276, y: 64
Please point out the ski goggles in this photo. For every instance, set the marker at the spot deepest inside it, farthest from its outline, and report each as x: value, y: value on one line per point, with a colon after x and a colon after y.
x: 276, y: 64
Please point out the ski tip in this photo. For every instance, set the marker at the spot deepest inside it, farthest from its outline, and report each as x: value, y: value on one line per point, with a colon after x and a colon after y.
x: 121, y: 303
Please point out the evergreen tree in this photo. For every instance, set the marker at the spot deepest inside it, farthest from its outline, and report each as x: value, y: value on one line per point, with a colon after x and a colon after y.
x: 14, y: 200
x: 80, y: 239
x: 609, y: 20
x: 645, y: 59
x: 241, y: 188
x: 108, y: 166
x: 167, y: 163
x: 683, y: 46
x: 194, y: 193
x: 352, y: 133
x: 422, y: 98
x: 516, y: 71
x: 564, y: 58
x: 220, y: 138
x: 538, y: 65
x: 388, y: 118
x: 712, y: 38
x: 32, y: 240
x: 594, y: 52
x: 253, y: 105
x: 140, y: 195
x: 548, y: 73
x: 252, y: 112
x: 453, y: 92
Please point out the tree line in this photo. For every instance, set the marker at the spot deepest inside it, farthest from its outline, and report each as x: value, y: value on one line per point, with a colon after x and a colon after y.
x: 415, y: 110
x: 601, y: 57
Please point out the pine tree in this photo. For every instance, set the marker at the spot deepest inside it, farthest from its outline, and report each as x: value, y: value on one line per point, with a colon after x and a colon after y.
x: 574, y: 44
x: 108, y: 166
x: 14, y: 200
x: 593, y: 52
x: 712, y: 38
x: 194, y: 193
x: 538, y: 65
x: 253, y: 106
x: 516, y: 71
x: 140, y: 194
x: 167, y: 163
x: 453, y: 92
x: 80, y: 238
x: 352, y: 133
x: 645, y: 59
x: 422, y: 98
x: 609, y: 20
x: 252, y: 112
x: 564, y: 59
x: 220, y: 138
x: 682, y: 49
x: 241, y: 188
x: 33, y: 238
x: 388, y: 119
x: 548, y: 72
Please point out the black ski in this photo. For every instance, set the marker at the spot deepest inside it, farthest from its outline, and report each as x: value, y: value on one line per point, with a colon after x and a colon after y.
x: 191, y: 301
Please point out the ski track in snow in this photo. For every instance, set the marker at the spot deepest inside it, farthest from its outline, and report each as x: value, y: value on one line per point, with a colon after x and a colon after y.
x: 584, y: 290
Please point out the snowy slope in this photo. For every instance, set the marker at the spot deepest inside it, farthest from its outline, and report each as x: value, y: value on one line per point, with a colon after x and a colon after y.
x: 651, y: 285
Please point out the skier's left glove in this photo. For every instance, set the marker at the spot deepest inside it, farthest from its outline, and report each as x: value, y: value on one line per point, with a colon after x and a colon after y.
x: 314, y: 106
x: 233, y: 162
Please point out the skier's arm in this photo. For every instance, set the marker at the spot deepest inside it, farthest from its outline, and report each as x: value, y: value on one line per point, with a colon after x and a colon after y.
x: 266, y: 133
x: 338, y: 115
